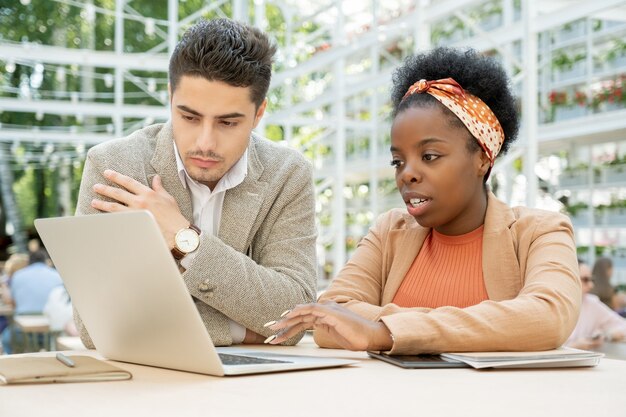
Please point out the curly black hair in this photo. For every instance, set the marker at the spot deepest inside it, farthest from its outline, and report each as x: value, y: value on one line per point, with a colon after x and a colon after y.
x: 478, y: 74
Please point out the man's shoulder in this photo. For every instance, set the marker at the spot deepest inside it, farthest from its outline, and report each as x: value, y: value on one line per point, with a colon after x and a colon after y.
x: 137, y: 143
x: 24, y: 274
x: 274, y: 154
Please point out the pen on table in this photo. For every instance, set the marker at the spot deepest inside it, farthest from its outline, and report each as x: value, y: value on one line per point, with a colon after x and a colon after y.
x: 65, y: 360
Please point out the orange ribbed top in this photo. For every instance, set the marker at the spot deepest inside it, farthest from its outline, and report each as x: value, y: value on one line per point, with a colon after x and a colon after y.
x: 447, y: 271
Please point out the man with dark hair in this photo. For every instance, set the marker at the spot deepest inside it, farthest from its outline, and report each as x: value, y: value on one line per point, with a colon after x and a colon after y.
x: 38, y: 256
x: 236, y: 209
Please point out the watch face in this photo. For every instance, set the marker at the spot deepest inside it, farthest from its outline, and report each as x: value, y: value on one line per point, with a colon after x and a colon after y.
x: 187, y: 240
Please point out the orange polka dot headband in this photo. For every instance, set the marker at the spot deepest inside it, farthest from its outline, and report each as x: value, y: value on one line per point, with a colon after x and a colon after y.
x: 471, y: 110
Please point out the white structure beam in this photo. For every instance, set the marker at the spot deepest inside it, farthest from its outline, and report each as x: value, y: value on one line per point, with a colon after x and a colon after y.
x: 85, y: 109
x: 581, y: 10
x: 32, y: 135
x: 597, y: 128
x: 102, y: 59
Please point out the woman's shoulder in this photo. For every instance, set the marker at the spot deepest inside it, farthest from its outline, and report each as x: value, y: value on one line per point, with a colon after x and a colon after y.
x: 523, y: 220
x: 527, y: 224
x: 539, y: 219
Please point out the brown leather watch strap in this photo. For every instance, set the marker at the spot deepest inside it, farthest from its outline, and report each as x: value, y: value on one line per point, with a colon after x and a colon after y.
x: 177, y: 254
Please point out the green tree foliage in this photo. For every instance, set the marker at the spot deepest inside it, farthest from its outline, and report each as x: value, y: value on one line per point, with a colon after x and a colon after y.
x: 25, y: 195
x: 90, y: 24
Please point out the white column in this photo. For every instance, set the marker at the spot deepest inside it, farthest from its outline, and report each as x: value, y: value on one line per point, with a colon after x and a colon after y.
x: 508, y: 170
x: 87, y: 83
x: 172, y: 28
x: 422, y: 28
x: 261, y: 22
x: 339, y: 112
x: 507, y: 21
x: 259, y: 14
x: 592, y: 217
x: 374, y: 149
x: 288, y: 86
x: 118, y: 119
x: 65, y: 187
x: 240, y: 11
x: 529, y: 100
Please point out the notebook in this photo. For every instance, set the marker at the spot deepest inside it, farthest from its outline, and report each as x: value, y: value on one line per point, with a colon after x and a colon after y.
x: 557, y: 358
x: 123, y: 280
x: 29, y: 370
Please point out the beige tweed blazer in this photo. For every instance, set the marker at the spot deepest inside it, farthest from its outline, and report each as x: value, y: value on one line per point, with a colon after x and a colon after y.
x: 263, y: 261
x: 530, y: 271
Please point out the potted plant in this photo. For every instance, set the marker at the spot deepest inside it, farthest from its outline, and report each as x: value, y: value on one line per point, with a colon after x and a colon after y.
x: 615, y: 171
x: 616, y: 213
x: 578, y: 213
x: 574, y: 175
x: 566, y: 65
x: 571, y: 30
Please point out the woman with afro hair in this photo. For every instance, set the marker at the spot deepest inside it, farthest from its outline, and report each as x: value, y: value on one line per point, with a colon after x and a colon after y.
x: 457, y: 269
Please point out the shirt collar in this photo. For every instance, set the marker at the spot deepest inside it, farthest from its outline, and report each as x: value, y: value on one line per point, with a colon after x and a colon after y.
x: 233, y: 177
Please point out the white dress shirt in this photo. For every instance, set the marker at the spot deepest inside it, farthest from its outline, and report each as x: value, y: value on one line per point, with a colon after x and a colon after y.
x: 207, y: 210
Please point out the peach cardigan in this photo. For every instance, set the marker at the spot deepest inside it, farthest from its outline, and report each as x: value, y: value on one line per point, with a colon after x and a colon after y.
x: 530, y: 271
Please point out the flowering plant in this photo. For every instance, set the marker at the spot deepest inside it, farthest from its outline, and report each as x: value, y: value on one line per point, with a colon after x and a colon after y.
x: 558, y: 98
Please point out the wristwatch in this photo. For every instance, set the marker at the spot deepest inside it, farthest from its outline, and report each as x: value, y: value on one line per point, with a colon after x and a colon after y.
x: 186, y: 241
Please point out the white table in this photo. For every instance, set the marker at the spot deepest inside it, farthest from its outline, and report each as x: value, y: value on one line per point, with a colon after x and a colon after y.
x: 614, y: 350
x: 371, y: 388
x: 32, y: 328
x: 70, y: 343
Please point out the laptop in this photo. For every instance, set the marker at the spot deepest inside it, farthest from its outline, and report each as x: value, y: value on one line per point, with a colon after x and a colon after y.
x: 131, y: 296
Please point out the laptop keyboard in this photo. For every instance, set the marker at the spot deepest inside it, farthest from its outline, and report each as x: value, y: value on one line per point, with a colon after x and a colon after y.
x: 228, y: 359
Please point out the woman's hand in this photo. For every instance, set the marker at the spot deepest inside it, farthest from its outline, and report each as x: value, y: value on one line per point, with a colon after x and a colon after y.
x: 617, y: 336
x: 587, y: 343
x: 347, y: 329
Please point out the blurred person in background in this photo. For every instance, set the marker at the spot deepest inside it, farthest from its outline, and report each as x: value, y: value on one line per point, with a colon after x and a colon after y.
x: 620, y: 303
x: 602, y: 273
x: 597, y: 323
x: 34, y: 245
x: 59, y: 311
x: 30, y: 288
x: 15, y: 262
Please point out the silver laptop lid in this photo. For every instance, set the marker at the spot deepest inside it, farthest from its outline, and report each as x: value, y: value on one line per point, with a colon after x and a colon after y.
x: 117, y: 269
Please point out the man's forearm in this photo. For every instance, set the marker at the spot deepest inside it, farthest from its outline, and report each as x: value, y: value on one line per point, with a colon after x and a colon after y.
x: 243, y: 290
